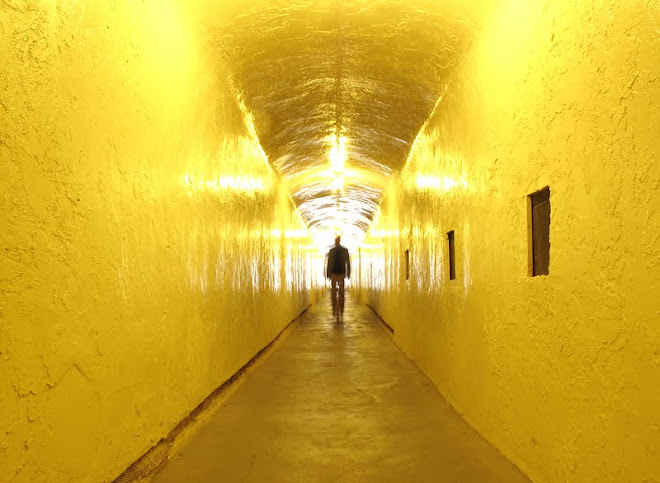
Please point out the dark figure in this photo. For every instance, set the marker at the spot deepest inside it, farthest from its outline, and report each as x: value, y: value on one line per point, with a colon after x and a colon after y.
x: 338, y: 269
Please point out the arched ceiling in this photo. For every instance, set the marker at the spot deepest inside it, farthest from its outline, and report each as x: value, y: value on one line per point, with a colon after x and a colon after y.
x: 357, y: 76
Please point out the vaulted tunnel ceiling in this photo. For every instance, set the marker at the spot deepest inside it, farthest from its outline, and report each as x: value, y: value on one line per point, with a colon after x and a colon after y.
x: 364, y: 74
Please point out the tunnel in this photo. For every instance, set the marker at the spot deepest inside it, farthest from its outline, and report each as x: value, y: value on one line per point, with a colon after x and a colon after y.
x: 173, y: 174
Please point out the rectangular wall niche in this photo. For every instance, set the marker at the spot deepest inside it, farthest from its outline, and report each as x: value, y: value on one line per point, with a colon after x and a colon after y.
x: 452, y: 256
x: 406, y: 261
x: 539, y: 232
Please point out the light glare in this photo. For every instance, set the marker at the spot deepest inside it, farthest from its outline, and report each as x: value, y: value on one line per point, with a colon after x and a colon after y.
x: 338, y: 155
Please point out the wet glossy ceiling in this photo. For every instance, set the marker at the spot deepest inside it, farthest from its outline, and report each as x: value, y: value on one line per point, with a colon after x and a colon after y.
x: 359, y: 77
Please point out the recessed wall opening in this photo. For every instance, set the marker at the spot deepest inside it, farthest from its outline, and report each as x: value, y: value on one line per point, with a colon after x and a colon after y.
x: 359, y: 263
x: 539, y: 232
x: 452, y: 256
x: 406, y: 262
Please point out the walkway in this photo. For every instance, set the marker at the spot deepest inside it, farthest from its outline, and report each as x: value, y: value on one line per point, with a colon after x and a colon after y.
x: 337, y: 402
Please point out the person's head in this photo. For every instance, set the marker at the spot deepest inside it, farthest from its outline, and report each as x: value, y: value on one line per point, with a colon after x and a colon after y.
x: 337, y: 240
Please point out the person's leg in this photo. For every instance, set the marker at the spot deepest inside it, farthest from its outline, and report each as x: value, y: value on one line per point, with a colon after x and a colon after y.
x: 341, y: 295
x: 333, y: 293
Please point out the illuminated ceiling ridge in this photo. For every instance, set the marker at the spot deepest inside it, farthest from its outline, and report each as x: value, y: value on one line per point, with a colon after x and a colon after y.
x: 338, y: 92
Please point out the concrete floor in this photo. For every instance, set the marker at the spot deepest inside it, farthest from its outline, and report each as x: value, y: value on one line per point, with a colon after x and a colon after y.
x: 337, y: 402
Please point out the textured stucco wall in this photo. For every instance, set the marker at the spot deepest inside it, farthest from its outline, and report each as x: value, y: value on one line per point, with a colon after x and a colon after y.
x: 147, y: 251
x: 562, y: 371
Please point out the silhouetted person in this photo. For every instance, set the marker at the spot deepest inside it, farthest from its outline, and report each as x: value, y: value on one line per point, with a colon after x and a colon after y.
x: 338, y: 269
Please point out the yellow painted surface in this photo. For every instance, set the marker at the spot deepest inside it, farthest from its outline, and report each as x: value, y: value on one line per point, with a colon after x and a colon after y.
x: 561, y: 372
x: 147, y: 250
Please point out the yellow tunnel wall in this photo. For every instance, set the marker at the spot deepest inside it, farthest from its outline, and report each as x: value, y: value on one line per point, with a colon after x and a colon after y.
x: 147, y: 250
x: 561, y: 371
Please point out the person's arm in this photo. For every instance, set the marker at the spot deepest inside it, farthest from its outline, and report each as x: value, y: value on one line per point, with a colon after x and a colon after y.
x: 348, y: 265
